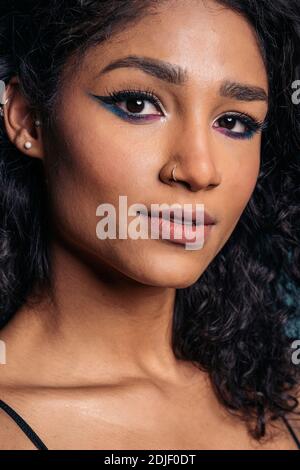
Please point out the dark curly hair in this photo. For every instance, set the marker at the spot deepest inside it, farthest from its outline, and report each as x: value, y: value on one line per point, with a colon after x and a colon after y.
x: 234, y: 322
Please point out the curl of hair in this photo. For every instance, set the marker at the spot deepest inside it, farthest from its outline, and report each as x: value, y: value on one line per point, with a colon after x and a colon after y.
x: 233, y: 322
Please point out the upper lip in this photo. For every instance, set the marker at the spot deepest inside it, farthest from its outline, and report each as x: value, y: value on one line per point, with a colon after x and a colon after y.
x: 187, y: 214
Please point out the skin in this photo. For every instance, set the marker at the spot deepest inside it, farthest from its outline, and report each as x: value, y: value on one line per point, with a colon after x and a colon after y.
x: 82, y: 366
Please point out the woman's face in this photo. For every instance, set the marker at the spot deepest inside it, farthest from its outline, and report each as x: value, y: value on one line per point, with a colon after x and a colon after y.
x: 101, y: 154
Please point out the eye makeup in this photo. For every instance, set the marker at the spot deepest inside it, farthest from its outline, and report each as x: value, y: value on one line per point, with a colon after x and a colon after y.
x: 230, y: 119
x: 112, y: 99
x: 252, y: 126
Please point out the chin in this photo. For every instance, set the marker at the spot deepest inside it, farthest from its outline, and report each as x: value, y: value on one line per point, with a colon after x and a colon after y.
x: 172, y: 275
x: 160, y: 265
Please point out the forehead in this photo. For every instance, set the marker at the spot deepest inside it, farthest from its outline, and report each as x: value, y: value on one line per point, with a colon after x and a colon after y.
x: 206, y: 39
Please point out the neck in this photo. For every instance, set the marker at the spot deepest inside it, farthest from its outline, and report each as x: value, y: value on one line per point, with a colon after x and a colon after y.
x: 97, y: 319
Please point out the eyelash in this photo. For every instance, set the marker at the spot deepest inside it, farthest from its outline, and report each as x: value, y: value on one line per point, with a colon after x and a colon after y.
x: 114, y: 97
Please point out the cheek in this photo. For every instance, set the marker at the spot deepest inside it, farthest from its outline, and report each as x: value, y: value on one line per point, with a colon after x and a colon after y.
x: 100, y: 156
x: 240, y: 183
x: 93, y: 167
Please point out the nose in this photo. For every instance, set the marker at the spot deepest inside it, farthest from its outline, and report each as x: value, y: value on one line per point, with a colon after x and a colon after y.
x: 193, y: 152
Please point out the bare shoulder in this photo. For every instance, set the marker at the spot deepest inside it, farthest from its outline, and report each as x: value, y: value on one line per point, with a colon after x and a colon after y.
x: 116, y: 418
x: 11, y: 436
x: 285, y: 431
x: 293, y: 418
x: 278, y: 437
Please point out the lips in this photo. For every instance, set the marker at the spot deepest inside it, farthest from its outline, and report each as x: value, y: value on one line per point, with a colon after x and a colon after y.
x: 187, y: 218
x: 178, y: 232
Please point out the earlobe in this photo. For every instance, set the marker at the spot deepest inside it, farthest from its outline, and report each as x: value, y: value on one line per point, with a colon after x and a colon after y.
x: 21, y: 126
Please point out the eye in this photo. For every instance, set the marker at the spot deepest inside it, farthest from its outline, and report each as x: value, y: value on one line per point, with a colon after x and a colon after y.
x: 138, y: 105
x: 238, y: 125
x: 134, y: 105
x: 232, y: 123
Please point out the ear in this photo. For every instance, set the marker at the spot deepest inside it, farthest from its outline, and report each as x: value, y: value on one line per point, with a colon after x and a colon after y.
x: 19, y: 121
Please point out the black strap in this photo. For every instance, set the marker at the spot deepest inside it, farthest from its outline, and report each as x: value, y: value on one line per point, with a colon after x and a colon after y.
x: 292, y: 432
x: 23, y: 425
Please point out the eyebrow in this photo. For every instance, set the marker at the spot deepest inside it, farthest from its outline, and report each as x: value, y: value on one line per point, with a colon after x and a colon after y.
x: 157, y: 68
x: 176, y: 75
x: 242, y: 92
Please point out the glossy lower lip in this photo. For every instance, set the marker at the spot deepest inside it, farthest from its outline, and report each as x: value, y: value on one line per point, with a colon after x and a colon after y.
x: 180, y: 234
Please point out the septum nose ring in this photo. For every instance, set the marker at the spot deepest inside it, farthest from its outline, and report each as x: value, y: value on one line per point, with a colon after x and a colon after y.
x: 173, y: 173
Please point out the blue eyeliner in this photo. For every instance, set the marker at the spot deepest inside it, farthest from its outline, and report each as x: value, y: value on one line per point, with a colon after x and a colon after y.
x: 115, y: 109
x: 110, y: 102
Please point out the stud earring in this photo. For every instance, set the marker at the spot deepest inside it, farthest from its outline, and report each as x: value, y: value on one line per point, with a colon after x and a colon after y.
x: 28, y: 145
x: 37, y: 123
